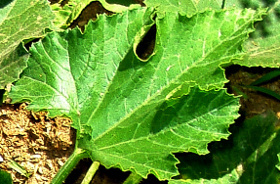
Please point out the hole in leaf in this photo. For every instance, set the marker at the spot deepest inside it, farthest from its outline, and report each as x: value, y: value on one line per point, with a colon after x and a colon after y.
x: 146, y: 47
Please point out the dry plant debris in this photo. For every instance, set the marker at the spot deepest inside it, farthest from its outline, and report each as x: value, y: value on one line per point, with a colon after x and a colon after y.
x: 34, y: 142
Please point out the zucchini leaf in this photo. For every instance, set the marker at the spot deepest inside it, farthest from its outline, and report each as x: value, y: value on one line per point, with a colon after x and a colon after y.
x: 19, y: 20
x: 133, y: 114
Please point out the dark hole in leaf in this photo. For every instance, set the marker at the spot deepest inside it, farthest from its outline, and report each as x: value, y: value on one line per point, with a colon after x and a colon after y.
x: 146, y: 47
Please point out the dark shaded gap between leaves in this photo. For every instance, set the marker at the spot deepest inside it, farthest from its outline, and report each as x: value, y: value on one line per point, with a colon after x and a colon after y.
x: 28, y: 43
x: 223, y: 4
x: 78, y: 174
x: 152, y: 180
x: 146, y: 47
x: 2, y: 91
x: 252, y: 102
x: 89, y: 13
x: 104, y: 176
x: 125, y: 3
x: 109, y: 176
x: 53, y: 1
x: 5, y: 3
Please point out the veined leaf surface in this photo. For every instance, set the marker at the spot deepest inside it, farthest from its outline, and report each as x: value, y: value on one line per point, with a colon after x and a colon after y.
x: 19, y: 20
x: 121, y: 106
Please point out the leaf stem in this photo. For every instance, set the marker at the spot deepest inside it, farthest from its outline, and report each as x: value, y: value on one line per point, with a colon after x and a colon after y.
x: 91, y: 172
x: 69, y: 165
x: 133, y: 178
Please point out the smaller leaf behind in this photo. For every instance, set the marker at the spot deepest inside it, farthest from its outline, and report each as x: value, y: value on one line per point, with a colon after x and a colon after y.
x: 249, y: 156
x: 263, y: 47
x: 19, y: 20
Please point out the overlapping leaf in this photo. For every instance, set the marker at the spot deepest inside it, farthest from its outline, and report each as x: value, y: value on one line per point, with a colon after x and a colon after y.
x: 19, y: 20
x: 249, y: 156
x: 263, y: 46
x: 67, y: 13
x: 121, y: 106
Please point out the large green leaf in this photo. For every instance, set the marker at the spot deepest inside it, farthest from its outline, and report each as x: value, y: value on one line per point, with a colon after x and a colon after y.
x: 120, y: 105
x: 249, y: 156
x: 19, y: 20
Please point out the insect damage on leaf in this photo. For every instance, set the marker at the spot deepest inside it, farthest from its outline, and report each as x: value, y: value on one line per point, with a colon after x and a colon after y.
x: 146, y: 47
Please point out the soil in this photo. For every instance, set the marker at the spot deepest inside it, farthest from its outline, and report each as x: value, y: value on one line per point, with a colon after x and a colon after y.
x: 40, y: 145
x: 252, y: 102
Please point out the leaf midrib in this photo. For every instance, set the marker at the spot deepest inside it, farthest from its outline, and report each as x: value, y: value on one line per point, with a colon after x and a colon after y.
x: 171, y: 129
